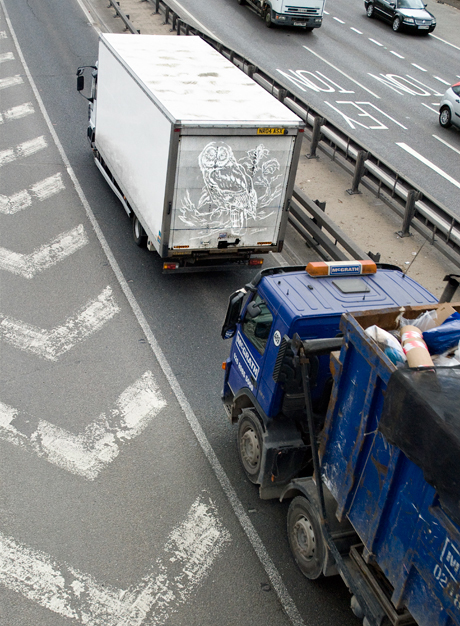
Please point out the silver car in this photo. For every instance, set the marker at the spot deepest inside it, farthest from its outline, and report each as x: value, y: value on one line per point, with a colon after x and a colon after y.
x: 449, y: 109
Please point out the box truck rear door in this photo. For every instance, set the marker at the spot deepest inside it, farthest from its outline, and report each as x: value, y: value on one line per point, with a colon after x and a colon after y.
x: 230, y: 188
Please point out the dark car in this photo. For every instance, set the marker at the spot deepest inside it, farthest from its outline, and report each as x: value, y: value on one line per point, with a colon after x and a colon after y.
x: 402, y: 14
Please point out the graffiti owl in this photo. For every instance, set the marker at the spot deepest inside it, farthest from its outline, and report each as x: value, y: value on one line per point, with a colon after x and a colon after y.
x: 227, y: 184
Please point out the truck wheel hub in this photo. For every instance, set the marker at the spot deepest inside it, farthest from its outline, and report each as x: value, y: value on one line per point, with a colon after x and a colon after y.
x: 250, y: 448
x: 305, y: 538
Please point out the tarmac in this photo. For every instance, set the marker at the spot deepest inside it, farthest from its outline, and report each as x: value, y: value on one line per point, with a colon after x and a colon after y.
x: 363, y: 217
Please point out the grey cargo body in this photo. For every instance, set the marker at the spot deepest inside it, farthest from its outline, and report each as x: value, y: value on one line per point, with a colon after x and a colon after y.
x: 203, y: 155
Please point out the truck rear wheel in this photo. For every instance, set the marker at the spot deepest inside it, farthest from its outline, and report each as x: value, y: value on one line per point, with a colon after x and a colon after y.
x: 250, y: 443
x: 139, y: 234
x: 305, y: 538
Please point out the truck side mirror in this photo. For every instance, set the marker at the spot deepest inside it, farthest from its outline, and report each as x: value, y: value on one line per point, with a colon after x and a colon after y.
x: 253, y: 310
x: 235, y: 304
x: 80, y: 82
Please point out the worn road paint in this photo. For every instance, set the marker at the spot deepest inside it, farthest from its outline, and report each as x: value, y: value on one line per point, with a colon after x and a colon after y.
x: 190, y: 551
x: 6, y: 56
x: 23, y: 150
x: 17, y: 112
x: 27, y: 265
x: 11, y: 81
x: 51, y: 344
x: 42, y: 190
x: 87, y: 453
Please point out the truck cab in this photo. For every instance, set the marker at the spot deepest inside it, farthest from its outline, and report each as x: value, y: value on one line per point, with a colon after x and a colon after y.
x: 263, y: 390
x: 306, y: 14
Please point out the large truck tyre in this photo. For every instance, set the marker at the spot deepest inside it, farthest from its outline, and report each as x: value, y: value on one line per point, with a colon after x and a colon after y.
x: 250, y: 444
x: 268, y: 17
x: 139, y: 234
x: 305, y: 538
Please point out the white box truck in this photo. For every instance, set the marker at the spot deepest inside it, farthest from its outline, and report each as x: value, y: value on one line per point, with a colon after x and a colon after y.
x: 307, y: 14
x: 200, y: 155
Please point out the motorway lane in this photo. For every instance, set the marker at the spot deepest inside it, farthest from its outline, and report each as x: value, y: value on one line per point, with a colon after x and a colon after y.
x: 348, y: 49
x: 112, y: 530
x: 75, y: 534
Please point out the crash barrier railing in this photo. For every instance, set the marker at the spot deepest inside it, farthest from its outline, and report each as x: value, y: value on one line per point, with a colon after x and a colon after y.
x: 417, y: 209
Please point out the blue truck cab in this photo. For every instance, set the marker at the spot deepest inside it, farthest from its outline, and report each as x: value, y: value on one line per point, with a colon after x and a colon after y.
x: 263, y: 390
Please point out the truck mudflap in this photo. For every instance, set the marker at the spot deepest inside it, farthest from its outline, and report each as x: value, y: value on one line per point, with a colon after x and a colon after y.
x: 284, y: 453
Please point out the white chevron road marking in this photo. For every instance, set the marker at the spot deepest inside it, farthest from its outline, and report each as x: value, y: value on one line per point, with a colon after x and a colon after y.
x: 6, y: 56
x: 27, y: 265
x: 22, y: 150
x: 17, y: 112
x: 190, y: 552
x: 11, y: 81
x: 87, y: 453
x: 42, y: 190
x: 51, y: 344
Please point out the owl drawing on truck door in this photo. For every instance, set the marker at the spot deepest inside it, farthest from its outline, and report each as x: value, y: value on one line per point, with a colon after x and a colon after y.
x: 229, y: 197
x: 227, y: 185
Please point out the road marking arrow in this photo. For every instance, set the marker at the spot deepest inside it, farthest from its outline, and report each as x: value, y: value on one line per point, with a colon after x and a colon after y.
x: 190, y: 551
x: 42, y: 190
x: 23, y: 150
x: 27, y: 265
x: 88, y: 452
x: 51, y: 344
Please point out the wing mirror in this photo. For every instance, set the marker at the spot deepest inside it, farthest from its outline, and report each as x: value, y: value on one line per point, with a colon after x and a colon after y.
x: 232, y: 317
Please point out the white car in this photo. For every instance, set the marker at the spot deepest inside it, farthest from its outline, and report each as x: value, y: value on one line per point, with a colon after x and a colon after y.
x: 449, y: 109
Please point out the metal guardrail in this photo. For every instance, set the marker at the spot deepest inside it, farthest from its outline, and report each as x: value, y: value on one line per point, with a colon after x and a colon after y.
x: 417, y: 208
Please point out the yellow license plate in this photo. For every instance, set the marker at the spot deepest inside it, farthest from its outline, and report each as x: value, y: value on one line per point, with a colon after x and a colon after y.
x: 271, y: 131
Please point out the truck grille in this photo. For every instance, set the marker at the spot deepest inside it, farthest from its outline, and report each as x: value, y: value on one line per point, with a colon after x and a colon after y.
x: 302, y: 11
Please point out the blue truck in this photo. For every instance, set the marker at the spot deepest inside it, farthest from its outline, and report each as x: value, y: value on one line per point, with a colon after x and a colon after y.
x: 320, y: 410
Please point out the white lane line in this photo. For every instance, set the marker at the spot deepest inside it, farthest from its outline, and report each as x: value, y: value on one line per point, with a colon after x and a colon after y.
x: 87, y: 453
x: 6, y: 56
x: 441, y: 80
x: 447, y: 144
x: 338, y: 20
x: 428, y: 163
x: 22, y: 150
x: 422, y: 69
x: 444, y: 41
x: 356, y: 30
x: 400, y: 56
x: 343, y: 73
x: 51, y: 344
x: 42, y: 190
x: 427, y: 106
x: 11, y: 81
x: 189, y: 554
x: 377, y: 43
x: 28, y: 265
x: 267, y: 563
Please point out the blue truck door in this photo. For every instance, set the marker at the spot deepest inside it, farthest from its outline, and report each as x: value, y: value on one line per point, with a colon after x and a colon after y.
x: 249, y: 347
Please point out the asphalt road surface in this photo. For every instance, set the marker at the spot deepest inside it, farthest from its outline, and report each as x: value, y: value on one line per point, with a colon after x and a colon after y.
x: 121, y: 499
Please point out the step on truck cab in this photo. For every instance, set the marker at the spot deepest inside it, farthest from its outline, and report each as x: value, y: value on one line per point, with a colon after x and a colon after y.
x: 263, y: 388
x: 306, y: 14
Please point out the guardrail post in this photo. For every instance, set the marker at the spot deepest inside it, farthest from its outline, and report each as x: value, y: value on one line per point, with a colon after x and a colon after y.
x: 167, y: 10
x: 359, y: 171
x: 453, y: 281
x: 409, y: 212
x: 179, y: 22
x: 157, y: 6
x: 250, y: 70
x: 315, y: 137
